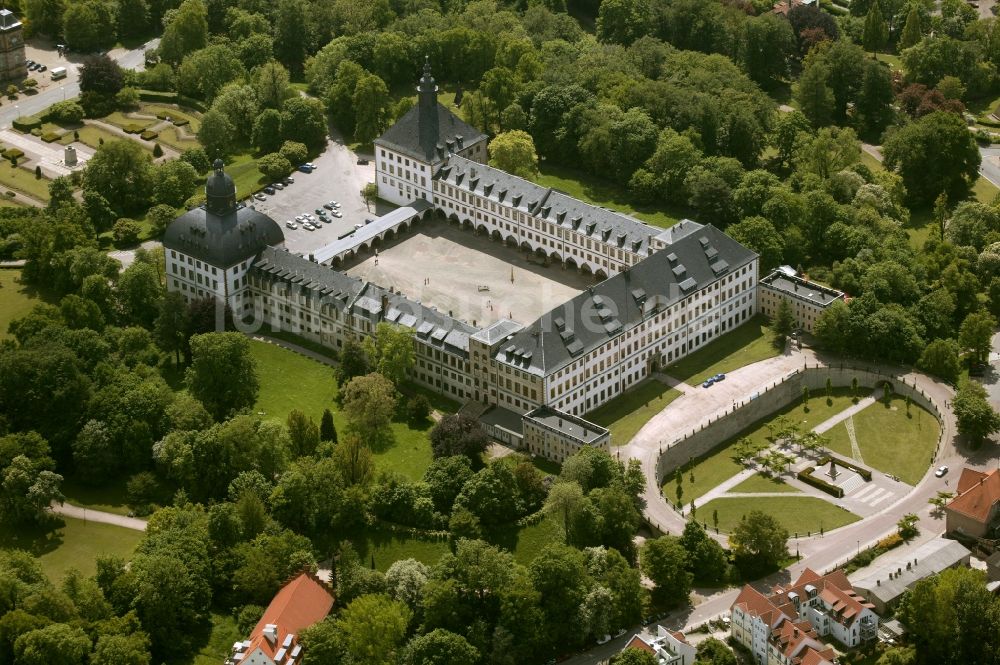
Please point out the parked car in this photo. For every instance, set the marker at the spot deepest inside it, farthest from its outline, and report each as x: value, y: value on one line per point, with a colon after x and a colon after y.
x: 604, y: 639
x: 306, y: 169
x: 277, y: 185
x: 357, y: 226
x: 260, y: 197
x: 269, y: 190
x: 308, y: 226
x: 619, y: 633
x: 337, y: 213
x: 310, y: 165
x: 292, y: 225
x: 318, y: 211
x: 289, y: 180
x: 42, y: 68
x: 369, y: 220
x: 299, y: 218
x: 719, y: 377
x: 941, y: 470
x: 708, y: 383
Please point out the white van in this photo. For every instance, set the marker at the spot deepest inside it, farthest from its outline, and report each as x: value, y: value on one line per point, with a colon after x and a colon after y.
x: 58, y: 73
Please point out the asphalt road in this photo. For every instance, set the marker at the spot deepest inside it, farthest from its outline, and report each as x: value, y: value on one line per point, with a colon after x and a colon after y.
x: 28, y: 105
x: 990, y: 167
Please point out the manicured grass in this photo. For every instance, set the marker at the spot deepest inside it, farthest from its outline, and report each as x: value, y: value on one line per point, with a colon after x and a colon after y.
x: 244, y: 172
x: 528, y: 541
x: 891, y: 441
x: 719, y: 464
x: 24, y: 181
x: 984, y: 190
x: 388, y: 547
x: 169, y: 136
x: 109, y: 498
x: 223, y: 633
x: 290, y: 381
x: 625, y: 415
x: 16, y: 299
x: 121, y: 120
x: 70, y: 543
x: 758, y: 484
x: 750, y: 343
x: 607, y: 194
x: 92, y: 136
x: 798, y: 514
x: 193, y: 117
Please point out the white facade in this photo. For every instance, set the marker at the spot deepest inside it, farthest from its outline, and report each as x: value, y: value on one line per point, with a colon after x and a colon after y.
x: 401, y: 179
x: 195, y: 279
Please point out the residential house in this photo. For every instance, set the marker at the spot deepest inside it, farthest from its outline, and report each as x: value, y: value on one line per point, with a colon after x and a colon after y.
x: 976, y: 506
x: 303, y: 601
x: 668, y: 647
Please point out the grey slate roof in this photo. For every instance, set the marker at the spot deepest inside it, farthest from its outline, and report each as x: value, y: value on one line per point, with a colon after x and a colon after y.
x: 338, y: 289
x: 800, y: 288
x: 8, y: 20
x: 404, y: 135
x: 601, y: 224
x: 369, y: 231
x: 931, y: 558
x: 577, y: 429
x: 497, y: 331
x: 225, y: 240
x: 623, y: 301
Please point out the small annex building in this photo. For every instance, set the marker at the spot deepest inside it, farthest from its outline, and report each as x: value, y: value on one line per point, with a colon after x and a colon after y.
x: 303, y: 601
x: 975, y: 508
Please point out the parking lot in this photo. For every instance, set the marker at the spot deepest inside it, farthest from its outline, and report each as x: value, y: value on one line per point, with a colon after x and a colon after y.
x: 338, y: 177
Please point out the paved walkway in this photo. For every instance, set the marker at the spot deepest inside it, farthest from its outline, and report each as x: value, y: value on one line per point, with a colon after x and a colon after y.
x: 88, y: 514
x: 849, y: 412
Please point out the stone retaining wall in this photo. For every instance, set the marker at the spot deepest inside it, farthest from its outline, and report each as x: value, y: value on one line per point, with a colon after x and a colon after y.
x: 721, y: 427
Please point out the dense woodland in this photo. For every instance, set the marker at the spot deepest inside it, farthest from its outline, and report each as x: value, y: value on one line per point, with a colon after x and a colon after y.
x: 722, y: 111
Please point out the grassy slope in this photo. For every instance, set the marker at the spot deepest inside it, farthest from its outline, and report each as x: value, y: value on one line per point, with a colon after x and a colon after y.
x: 798, y: 514
x: 23, y: 180
x: 16, y: 299
x: 749, y: 343
x: 891, y: 441
x: 625, y: 415
x: 71, y: 544
x: 290, y: 381
x: 758, y: 483
x: 719, y: 465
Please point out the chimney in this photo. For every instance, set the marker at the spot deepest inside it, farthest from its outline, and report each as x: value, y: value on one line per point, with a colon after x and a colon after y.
x: 271, y: 633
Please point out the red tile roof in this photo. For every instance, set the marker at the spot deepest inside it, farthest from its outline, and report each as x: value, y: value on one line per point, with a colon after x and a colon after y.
x: 299, y: 604
x: 638, y: 643
x: 978, y: 494
x: 813, y: 657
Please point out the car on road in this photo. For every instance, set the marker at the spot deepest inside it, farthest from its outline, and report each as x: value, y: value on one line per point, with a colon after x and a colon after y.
x: 708, y: 382
x: 292, y: 225
x: 941, y: 470
x: 604, y: 639
x: 719, y: 377
x: 260, y: 197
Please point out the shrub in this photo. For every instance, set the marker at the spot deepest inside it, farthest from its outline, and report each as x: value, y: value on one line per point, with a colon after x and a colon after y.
x: 68, y: 112
x: 37, y: 131
x: 891, y: 541
x: 805, y: 475
x: 149, y: 134
x: 126, y: 231
x: 157, y: 96
x: 26, y: 123
x: 133, y: 128
x: 180, y: 122
x: 51, y: 136
x: 157, y: 150
x: 30, y: 83
x: 127, y: 98
x: 12, y: 153
x: 417, y: 409
x: 142, y: 489
x: 294, y: 152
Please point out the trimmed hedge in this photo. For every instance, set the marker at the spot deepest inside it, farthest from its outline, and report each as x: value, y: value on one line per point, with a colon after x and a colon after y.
x: 26, y: 123
x: 805, y: 475
x: 987, y: 122
x: 133, y: 128
x: 180, y: 122
x: 149, y: 135
x: 861, y: 471
x: 51, y: 136
x: 12, y: 153
x: 157, y: 96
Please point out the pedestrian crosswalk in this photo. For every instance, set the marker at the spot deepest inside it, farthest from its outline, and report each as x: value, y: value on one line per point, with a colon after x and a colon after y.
x: 872, y: 495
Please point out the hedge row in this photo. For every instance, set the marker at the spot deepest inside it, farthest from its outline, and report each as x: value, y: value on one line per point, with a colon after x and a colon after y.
x: 149, y: 135
x: 51, y: 136
x: 157, y: 96
x: 805, y: 475
x: 133, y: 128
x: 12, y: 153
x: 26, y: 123
x: 987, y: 122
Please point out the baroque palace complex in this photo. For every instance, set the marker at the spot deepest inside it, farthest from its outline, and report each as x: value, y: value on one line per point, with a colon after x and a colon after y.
x: 657, y: 296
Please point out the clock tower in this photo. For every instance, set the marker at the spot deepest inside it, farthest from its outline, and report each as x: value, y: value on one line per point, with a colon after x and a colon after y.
x: 12, y: 64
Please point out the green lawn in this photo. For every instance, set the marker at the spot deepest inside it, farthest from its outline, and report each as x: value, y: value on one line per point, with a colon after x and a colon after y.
x: 109, y: 497
x: 626, y: 414
x: 387, y: 547
x: 891, y: 441
x: 749, y: 343
x: 170, y: 136
x: 757, y: 483
x: 798, y: 514
x: 218, y: 644
x: 290, y: 381
x: 719, y: 464
x: 607, y: 194
x: 71, y: 543
x: 16, y: 299
x: 121, y: 120
x: 23, y: 180
x: 244, y: 172
x: 193, y: 117
x: 526, y: 542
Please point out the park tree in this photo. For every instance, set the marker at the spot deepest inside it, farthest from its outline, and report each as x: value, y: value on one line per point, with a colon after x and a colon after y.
x: 294, y: 152
x: 706, y: 560
x: 271, y: 82
x: 121, y: 172
x: 514, y: 152
x: 303, y: 119
x: 101, y: 74
x: 769, y: 44
x: 372, y: 103
x: 559, y: 574
x: 715, y: 652
x: 815, y: 96
x: 138, y: 294
x: 372, y: 629
x: 293, y: 33
x: 876, y: 31
x: 56, y: 644
x: 27, y: 488
x: 131, y: 649
x: 874, y: 103
x: 44, y: 16
x: 390, y: 352
x: 445, y: 478
x: 623, y: 21
x: 302, y: 433
x: 783, y: 322
x: 171, y: 325
x: 912, y: 32
x: 758, y: 543
x: 238, y: 102
x: 266, y: 134
x: 353, y: 362
x: 934, y: 154
x: 186, y: 32
x: 88, y: 25
x: 274, y: 166
x: 976, y: 334
x: 223, y: 373
x: 440, y: 647
x: 327, y: 429
x: 133, y: 18
x: 830, y: 150
x: 565, y: 504
x: 458, y: 434
x: 665, y: 562
x: 94, y: 452
x: 940, y: 358
x: 976, y: 418
x: 216, y: 134
x: 759, y: 234
x: 634, y: 656
x: 368, y: 404
x: 173, y: 182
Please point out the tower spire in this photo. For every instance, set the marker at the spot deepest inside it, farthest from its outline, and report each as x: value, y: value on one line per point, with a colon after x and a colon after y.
x: 427, y: 110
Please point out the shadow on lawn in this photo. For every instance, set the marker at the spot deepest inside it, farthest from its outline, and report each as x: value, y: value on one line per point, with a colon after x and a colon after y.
x: 36, y: 539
